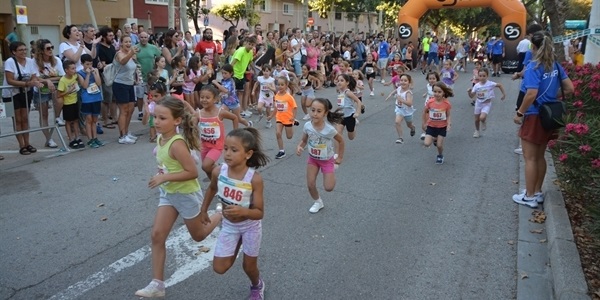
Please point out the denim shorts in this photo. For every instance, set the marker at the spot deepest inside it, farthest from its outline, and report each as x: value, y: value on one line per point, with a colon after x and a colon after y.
x: 41, y: 98
x: 91, y: 108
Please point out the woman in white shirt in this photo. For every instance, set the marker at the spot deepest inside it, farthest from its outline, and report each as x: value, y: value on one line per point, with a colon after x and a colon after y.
x: 20, y: 72
x: 72, y: 49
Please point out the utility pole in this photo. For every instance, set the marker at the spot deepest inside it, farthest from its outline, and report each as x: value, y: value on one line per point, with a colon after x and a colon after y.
x: 91, y: 12
x: 21, y: 28
x: 171, y: 12
x: 592, y: 51
x: 305, y: 14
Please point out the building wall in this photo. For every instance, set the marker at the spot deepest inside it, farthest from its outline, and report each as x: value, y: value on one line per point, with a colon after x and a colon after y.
x: 159, y: 17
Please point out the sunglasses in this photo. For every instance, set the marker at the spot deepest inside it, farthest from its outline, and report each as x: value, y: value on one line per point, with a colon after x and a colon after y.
x: 50, y: 48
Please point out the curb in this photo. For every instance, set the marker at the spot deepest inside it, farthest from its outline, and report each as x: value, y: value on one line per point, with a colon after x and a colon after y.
x: 556, y: 273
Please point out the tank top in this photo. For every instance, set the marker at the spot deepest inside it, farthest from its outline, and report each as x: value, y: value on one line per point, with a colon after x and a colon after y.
x: 369, y: 70
x: 212, y: 132
x: 232, y: 191
x: 346, y: 104
x: 166, y: 165
x: 305, y: 83
x: 407, y: 110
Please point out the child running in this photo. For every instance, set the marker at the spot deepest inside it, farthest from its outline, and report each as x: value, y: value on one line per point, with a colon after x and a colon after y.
x: 285, y: 114
x: 475, y: 78
x: 307, y: 80
x: 157, y: 91
x: 432, y: 78
x: 212, y: 131
x: 404, y: 107
x: 370, y: 69
x: 177, y: 181
x: 319, y: 135
x: 360, y: 86
x: 483, y: 91
x: 449, y: 76
x: 348, y: 103
x: 240, y: 188
x: 230, y: 98
x: 437, y: 114
x: 266, y: 83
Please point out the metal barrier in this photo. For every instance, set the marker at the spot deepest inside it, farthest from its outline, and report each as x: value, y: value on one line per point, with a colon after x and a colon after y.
x: 10, y: 113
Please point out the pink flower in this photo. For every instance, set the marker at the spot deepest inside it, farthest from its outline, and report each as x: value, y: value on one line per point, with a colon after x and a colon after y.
x: 578, y: 104
x: 563, y: 157
x: 569, y: 127
x: 581, y: 129
x: 551, y: 144
x: 580, y: 115
x: 585, y: 149
x: 596, y: 163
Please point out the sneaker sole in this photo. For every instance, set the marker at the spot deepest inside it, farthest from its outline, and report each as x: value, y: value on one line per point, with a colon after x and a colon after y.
x: 314, y: 212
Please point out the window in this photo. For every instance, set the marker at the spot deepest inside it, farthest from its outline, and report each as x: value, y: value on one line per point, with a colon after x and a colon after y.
x: 288, y: 8
x: 265, y: 6
x: 338, y: 15
x: 159, y: 2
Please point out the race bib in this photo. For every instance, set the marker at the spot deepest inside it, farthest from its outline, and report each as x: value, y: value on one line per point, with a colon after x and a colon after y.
x: 209, y: 50
x: 317, y: 151
x: 234, y: 192
x: 436, y: 115
x: 264, y: 87
x: 93, y: 89
x: 446, y: 75
x: 340, y: 99
x: 281, y: 106
x: 210, y: 131
x: 481, y: 94
x: 369, y: 70
x: 303, y: 82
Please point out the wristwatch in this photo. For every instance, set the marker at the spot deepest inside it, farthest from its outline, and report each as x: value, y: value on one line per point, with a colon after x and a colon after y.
x: 519, y: 114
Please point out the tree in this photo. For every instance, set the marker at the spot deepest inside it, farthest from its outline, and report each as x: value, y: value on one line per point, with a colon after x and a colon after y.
x: 556, y: 10
x: 464, y: 21
x: 390, y: 13
x: 235, y: 12
x: 194, y: 10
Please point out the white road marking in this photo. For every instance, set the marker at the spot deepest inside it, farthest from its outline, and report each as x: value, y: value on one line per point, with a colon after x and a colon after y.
x: 181, y: 255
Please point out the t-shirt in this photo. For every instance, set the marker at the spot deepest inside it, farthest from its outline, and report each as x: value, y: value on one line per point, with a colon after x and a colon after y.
x: 384, y: 50
x: 438, y: 113
x: 547, y: 83
x: 207, y: 47
x: 93, y: 92
x: 12, y: 37
x: 320, y: 143
x: 298, y: 55
x: 433, y: 47
x: 489, y: 46
x: 243, y: 58
x: 426, y: 42
x: 484, y: 91
x: 526, y: 60
x: 231, y: 98
x: 498, y: 48
x: 105, y: 54
x: 285, y: 105
x: 27, y: 71
x: 65, y: 84
x: 146, y: 59
x: 447, y: 76
x: 265, y: 92
x: 64, y: 46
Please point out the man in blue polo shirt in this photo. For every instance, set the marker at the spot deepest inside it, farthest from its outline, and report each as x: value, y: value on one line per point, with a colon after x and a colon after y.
x: 497, y: 56
x: 384, y: 53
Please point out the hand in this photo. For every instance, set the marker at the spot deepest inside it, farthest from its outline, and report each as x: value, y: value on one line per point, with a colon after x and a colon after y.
x: 503, y: 97
x: 100, y: 65
x: 448, y: 127
x: 338, y: 160
x: 88, y: 70
x: 518, y: 120
x: 299, y: 150
x: 233, y: 211
x: 204, y: 218
x: 136, y: 49
x: 356, y: 115
x: 97, y: 40
x: 215, y: 81
x: 155, y: 181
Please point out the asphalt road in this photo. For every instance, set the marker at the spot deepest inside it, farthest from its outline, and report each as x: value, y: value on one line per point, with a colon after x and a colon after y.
x: 397, y: 226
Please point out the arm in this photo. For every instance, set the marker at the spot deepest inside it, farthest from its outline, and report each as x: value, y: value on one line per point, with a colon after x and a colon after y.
x: 74, y: 56
x: 124, y: 58
x: 357, y: 101
x: 255, y: 211
x: 94, y: 46
x: 424, y: 117
x: 302, y: 144
x: 84, y: 81
x: 471, y: 93
x: 338, y: 137
x: 221, y: 88
x: 230, y: 116
x: 146, y: 115
x: 210, y: 193
x: 448, y: 119
x: 409, y: 99
x: 255, y: 88
x: 390, y: 95
x: 180, y: 152
x: 501, y: 87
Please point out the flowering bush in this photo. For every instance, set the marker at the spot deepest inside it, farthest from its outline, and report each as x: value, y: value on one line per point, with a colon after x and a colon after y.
x: 578, y: 147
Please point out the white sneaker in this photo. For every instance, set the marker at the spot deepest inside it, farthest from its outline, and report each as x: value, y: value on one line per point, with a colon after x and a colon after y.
x: 524, y: 200
x: 152, y: 290
x: 372, y: 93
x: 51, y: 144
x: 132, y: 136
x: 315, y: 208
x: 539, y: 196
x: 382, y: 81
x: 476, y: 134
x: 306, y: 117
x: 250, y: 124
x: 519, y: 151
x: 268, y: 124
x: 60, y: 122
x: 126, y: 140
x: 422, y: 136
x: 246, y: 114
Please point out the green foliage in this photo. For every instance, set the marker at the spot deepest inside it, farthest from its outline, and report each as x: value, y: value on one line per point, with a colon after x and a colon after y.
x: 579, y: 9
x: 233, y: 13
x: 466, y: 20
x: 390, y: 12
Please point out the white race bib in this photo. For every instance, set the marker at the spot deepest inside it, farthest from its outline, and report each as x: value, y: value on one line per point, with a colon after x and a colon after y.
x: 93, y: 89
x: 369, y: 70
x: 281, y: 106
x: 303, y: 82
x: 437, y: 115
x: 340, y: 99
x: 317, y: 151
x: 234, y: 192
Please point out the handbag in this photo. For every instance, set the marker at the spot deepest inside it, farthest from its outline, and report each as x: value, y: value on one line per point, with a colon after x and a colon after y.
x: 110, y: 72
x: 552, y: 113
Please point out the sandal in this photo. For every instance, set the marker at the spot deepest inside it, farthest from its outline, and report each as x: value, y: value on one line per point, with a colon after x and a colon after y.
x: 109, y: 126
x: 31, y: 149
x: 24, y: 151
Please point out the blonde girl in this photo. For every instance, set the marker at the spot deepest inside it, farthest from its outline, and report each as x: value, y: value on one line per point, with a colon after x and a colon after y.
x: 404, y: 107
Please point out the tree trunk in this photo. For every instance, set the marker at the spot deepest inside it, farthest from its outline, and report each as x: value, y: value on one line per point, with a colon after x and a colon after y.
x: 91, y: 12
x: 183, y: 15
x: 171, y: 12
x: 556, y: 10
x: 369, y: 21
x: 196, y: 13
x: 249, y: 10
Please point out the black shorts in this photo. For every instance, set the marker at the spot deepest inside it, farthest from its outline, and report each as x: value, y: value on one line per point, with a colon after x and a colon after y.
x: 123, y: 93
x: 198, y: 87
x: 71, y: 112
x: 372, y: 75
x: 239, y: 83
x: 22, y: 100
x: 286, y: 125
x: 349, y: 123
x: 497, y: 58
x: 91, y: 108
x: 435, y: 132
x: 520, y: 99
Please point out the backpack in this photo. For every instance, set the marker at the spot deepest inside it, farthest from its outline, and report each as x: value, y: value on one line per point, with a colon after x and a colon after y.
x: 110, y: 72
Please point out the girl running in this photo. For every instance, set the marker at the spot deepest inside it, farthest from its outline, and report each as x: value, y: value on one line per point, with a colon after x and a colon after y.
x: 432, y: 78
x: 483, y: 91
x: 229, y: 95
x: 307, y: 80
x: 370, y: 68
x: 285, y: 114
x: 449, y: 76
x: 437, y: 114
x: 404, y: 107
x: 319, y: 135
x: 348, y: 103
x: 193, y: 74
x: 240, y: 188
x: 266, y: 83
x: 177, y: 181
x: 212, y: 130
x: 475, y: 78
x: 360, y: 86
x: 157, y: 92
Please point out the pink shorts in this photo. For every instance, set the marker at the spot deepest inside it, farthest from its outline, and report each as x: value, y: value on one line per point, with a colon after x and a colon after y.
x: 326, y: 166
x: 211, y: 153
x: 250, y: 231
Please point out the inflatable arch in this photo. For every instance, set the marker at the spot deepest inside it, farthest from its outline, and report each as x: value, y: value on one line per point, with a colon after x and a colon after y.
x: 512, y: 12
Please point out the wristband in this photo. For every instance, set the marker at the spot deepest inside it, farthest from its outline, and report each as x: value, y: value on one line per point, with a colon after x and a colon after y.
x: 519, y: 114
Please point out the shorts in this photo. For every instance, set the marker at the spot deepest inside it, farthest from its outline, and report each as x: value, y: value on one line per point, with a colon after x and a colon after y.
x: 212, y: 153
x: 267, y: 101
x: 520, y: 99
x: 435, y: 131
x: 382, y: 63
x: 187, y: 92
x: 71, y: 112
x: 369, y: 76
x: 21, y: 101
x: 401, y: 112
x: 349, y: 122
x: 198, y: 87
x: 187, y: 205
x: 107, y: 94
x: 326, y: 166
x: 123, y: 93
x: 41, y: 98
x: 532, y: 131
x: 239, y: 84
x: 482, y: 107
x: 250, y: 232
x: 91, y: 108
x: 232, y: 106
x: 309, y: 93
x: 497, y: 58
x: 285, y: 125
x: 433, y: 57
x: 151, y: 121
x: 140, y: 90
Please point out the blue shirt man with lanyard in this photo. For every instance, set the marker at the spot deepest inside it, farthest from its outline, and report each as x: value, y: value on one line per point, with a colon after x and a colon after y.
x: 384, y: 54
x: 497, y: 55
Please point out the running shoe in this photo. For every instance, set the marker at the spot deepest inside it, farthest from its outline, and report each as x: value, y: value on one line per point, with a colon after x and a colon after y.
x: 258, y: 292
x: 316, y: 207
x: 280, y: 155
x: 152, y: 290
